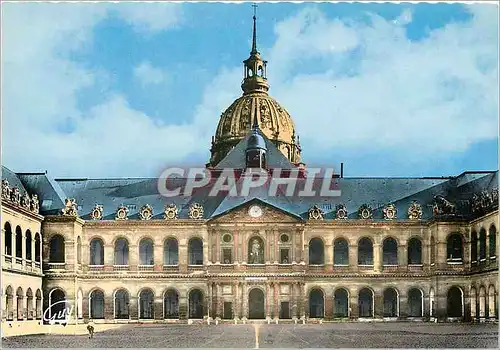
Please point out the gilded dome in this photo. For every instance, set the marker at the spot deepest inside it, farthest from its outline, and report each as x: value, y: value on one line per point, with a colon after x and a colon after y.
x: 255, y: 106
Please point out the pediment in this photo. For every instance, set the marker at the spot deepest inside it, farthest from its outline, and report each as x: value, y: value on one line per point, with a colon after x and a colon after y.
x: 268, y: 214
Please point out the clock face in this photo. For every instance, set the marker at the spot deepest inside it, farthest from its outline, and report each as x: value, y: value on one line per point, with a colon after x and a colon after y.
x: 255, y: 211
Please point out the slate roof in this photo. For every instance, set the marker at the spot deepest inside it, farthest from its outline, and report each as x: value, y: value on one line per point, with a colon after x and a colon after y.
x: 137, y: 192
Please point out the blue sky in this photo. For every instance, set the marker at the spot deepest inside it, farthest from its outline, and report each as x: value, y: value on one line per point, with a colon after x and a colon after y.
x: 125, y: 90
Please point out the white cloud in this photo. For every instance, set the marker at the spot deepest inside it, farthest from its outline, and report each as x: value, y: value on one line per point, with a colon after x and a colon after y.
x: 146, y: 74
x: 420, y: 99
x: 151, y: 17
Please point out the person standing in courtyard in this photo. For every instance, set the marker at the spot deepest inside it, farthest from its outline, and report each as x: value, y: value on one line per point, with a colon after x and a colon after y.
x: 90, y: 329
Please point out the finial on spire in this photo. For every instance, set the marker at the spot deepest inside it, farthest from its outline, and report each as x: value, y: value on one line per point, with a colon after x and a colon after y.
x: 254, y: 38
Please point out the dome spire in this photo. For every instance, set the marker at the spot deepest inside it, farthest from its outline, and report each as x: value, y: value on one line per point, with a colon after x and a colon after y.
x: 254, y: 38
x: 255, y: 79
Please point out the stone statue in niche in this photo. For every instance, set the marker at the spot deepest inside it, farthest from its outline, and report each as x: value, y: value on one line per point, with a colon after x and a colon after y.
x: 256, y: 252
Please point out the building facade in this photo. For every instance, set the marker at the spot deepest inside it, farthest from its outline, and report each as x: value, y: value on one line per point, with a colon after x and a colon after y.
x: 385, y: 248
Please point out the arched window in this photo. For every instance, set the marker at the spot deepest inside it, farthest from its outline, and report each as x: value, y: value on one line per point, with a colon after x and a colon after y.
x: 390, y: 251
x: 96, y: 252
x: 482, y: 245
x: 492, y: 303
x: 473, y: 303
x: 473, y: 247
x: 28, y: 242
x: 454, y: 302
x: 146, y: 304
x: 391, y: 303
x: 316, y: 304
x: 19, y: 242
x: 8, y: 239
x: 121, y: 252
x: 482, y: 302
x: 256, y: 251
x: 97, y: 304
x: 9, y: 303
x: 365, y: 251
x: 415, y: 303
x: 341, y: 299
x: 196, y: 304
x: 493, y: 242
x: 38, y: 254
x: 195, y: 251
x: 56, y: 298
x: 121, y: 304
x: 20, y: 306
x: 29, y: 305
x: 365, y: 303
x: 171, y: 304
x: 170, y: 252
x: 431, y: 302
x: 146, y: 256
x: 415, y: 251
x: 316, y: 252
x: 56, y: 249
x: 454, y: 248
x: 78, y: 250
x: 340, y: 252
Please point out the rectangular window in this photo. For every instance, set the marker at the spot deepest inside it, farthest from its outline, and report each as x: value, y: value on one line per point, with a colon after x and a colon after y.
x: 285, y: 310
x: 227, y: 256
x: 285, y: 256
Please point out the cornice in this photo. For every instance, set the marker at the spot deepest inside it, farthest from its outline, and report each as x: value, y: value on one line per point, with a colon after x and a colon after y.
x: 19, y: 209
x: 146, y: 223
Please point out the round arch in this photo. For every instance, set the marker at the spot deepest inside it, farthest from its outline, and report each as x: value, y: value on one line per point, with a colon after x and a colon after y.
x: 316, y: 251
x: 341, y: 302
x: 366, y: 302
x: 96, y: 303
x: 171, y: 303
x: 316, y: 302
x: 121, y: 302
x: 196, y: 304
x: 391, y: 302
x: 415, y: 302
x: 455, y: 302
x: 256, y: 303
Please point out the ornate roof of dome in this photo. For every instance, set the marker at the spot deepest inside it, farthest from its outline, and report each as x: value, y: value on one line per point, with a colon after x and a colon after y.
x: 272, y: 119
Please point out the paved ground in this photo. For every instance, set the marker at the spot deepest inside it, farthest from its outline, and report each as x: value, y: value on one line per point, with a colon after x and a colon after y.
x: 343, y: 335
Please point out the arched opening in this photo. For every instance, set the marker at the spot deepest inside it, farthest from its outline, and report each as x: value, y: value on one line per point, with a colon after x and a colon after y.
x: 341, y: 252
x: 96, y: 304
x: 431, y: 302
x: 38, y: 254
x: 170, y: 252
x: 492, y: 303
x: 365, y: 303
x: 454, y: 302
x: 316, y: 304
x: 146, y: 256
x: 365, y: 251
x: 195, y: 251
x: 196, y: 304
x: 96, y: 252
x: 415, y: 252
x: 9, y: 303
x: 171, y: 304
x: 38, y: 304
x: 316, y: 252
x: 78, y: 250
x: 482, y: 245
x: 146, y: 304
x: 121, y: 252
x: 256, y: 251
x: 57, y: 300
x: 391, y: 303
x: 256, y: 304
x: 29, y: 304
x: 19, y: 242
x: 415, y: 303
x: 493, y: 242
x: 122, y: 304
x: 8, y: 239
x: 473, y: 247
x: 27, y: 242
x: 454, y: 248
x: 56, y: 254
x: 341, y: 298
x: 390, y: 251
x: 482, y: 302
x: 19, y: 304
x: 473, y: 303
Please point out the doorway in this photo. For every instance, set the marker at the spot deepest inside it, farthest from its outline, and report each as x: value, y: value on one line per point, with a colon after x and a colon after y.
x: 256, y: 304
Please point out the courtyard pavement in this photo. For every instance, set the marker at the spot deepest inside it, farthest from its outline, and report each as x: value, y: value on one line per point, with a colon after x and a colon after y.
x: 338, y: 335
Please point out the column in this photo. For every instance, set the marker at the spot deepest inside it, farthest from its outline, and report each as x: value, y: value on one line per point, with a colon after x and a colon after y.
x: 277, y: 248
x: 109, y: 307
x: 158, y: 308
x: 268, y: 299
x: 244, y: 250
x: 378, y: 304
x: 244, y: 296
x: 183, y: 256
x: 236, y: 248
x: 353, y: 256
x: 219, y: 300
x: 377, y: 261
x: 205, y: 251
x: 183, y: 307
x: 276, y: 300
x: 353, y: 304
x: 23, y: 250
x: 133, y: 307
x: 328, y: 257
x: 294, y: 290
x: 403, y: 256
x: 329, y: 304
x: 86, y: 300
x: 403, y: 305
x: 217, y: 249
x: 33, y: 244
x: 236, y: 298
x: 304, y: 300
x: 158, y: 257
x: 133, y: 257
